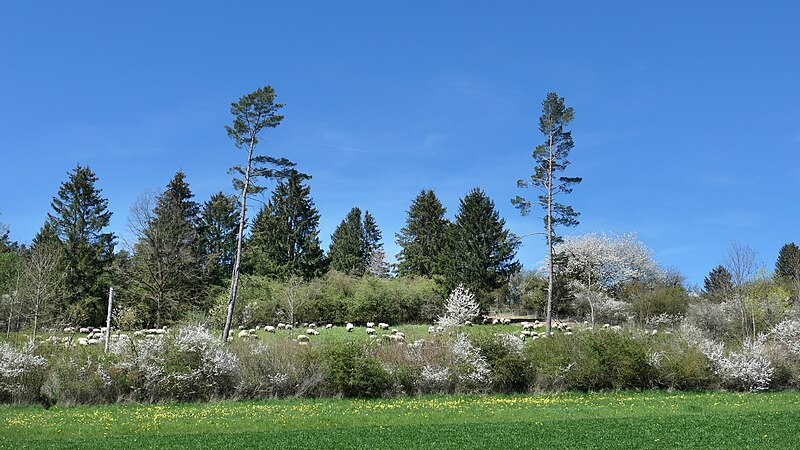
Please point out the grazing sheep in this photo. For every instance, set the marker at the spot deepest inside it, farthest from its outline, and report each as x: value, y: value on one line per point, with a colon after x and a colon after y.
x: 370, y: 330
x: 527, y: 326
x: 524, y: 334
x: 383, y: 326
x: 312, y: 325
x: 401, y: 334
x: 468, y: 323
x: 440, y: 329
x: 349, y: 327
x: 252, y: 331
x: 395, y: 330
x: 289, y: 327
x: 281, y: 326
x: 329, y: 326
x: 241, y: 327
x: 370, y: 324
x: 606, y: 326
x: 495, y: 321
x: 83, y: 341
x: 243, y: 333
x: 84, y: 330
x: 431, y: 329
x: 93, y: 341
x: 568, y: 333
x: 485, y: 321
x: 302, y: 338
x: 269, y: 329
x: 312, y: 332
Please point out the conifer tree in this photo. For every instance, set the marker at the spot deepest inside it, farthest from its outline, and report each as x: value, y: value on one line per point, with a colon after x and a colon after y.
x: 423, y: 237
x: 718, y: 282
x: 551, y: 159
x: 284, y: 240
x: 481, y: 250
x: 787, y: 268
x: 346, y: 251
x: 218, y: 223
x: 167, y: 265
x: 80, y: 216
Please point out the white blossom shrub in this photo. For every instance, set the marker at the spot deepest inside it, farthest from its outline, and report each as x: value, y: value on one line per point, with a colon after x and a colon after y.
x: 435, y: 379
x: 275, y: 370
x: 748, y: 369
x: 20, y: 373
x: 787, y: 335
x: 459, y: 307
x: 473, y: 370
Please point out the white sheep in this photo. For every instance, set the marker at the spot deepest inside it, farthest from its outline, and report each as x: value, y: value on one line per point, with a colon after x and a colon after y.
x: 83, y: 341
x: 383, y: 326
x: 370, y: 330
x: 84, y: 330
x: 329, y: 326
x: 468, y: 323
x: 281, y: 326
x: 302, y: 338
x: 431, y: 329
x: 312, y: 325
x: 289, y: 327
x: 269, y: 329
x: 312, y: 332
x: 349, y: 327
x: 370, y: 324
x: 243, y: 333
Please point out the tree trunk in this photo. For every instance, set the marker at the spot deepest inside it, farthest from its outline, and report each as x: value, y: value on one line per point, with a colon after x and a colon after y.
x: 550, y: 239
x: 237, y: 262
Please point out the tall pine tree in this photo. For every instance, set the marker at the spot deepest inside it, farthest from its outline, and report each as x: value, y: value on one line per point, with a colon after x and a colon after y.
x: 481, y: 250
x: 167, y: 265
x: 284, y: 240
x: 787, y: 268
x: 718, y: 283
x: 80, y: 216
x: 218, y: 224
x: 423, y: 237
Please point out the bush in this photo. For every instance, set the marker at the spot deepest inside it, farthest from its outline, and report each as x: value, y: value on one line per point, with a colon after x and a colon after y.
x: 21, y: 374
x: 351, y: 373
x: 280, y: 369
x: 588, y: 361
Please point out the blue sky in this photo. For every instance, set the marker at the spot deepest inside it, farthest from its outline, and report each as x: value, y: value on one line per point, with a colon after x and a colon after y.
x: 687, y: 124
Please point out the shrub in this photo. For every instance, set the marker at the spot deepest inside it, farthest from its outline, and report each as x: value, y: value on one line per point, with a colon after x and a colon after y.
x: 351, y: 373
x: 21, y: 374
x: 280, y: 369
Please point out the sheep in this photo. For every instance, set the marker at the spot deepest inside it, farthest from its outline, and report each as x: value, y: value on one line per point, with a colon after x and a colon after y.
x: 312, y: 325
x: 495, y: 321
x: 440, y: 329
x: 84, y: 330
x: 349, y: 327
x: 289, y: 327
x: 243, y: 333
x: 527, y: 326
x: 138, y: 333
x: 468, y: 323
x: 83, y: 341
x: 329, y: 326
x: 241, y: 327
x: 393, y: 338
x: 506, y: 321
x: 525, y: 333
x: 302, y: 338
x: 383, y: 326
x: 431, y: 329
x: 93, y: 341
x: 370, y: 330
x: 370, y: 324
x: 568, y: 333
x: 281, y: 326
x: 312, y: 332
x: 395, y: 330
x: 269, y: 329
x: 252, y: 330
x: 606, y: 326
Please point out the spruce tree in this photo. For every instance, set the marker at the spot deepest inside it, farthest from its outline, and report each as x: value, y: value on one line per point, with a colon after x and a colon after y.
x: 167, y: 265
x: 284, y: 240
x: 80, y: 216
x: 423, y: 237
x: 481, y: 250
x: 718, y: 283
x: 346, y: 252
x: 787, y: 268
x: 372, y: 238
x: 218, y: 223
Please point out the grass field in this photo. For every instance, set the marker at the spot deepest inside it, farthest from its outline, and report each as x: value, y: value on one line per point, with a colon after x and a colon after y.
x: 602, y: 420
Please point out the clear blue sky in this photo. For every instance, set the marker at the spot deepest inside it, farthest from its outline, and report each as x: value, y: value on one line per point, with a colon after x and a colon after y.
x: 687, y: 124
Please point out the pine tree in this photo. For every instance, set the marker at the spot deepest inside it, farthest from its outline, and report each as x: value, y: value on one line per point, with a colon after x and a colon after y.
x: 718, y: 283
x: 423, y: 237
x: 372, y: 238
x: 284, y: 240
x: 79, y: 218
x: 481, y: 250
x: 167, y: 265
x: 551, y: 159
x: 218, y: 223
x: 346, y: 252
x: 787, y: 268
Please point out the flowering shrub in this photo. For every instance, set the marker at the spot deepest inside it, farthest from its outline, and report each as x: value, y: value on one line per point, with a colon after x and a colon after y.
x: 459, y: 307
x: 20, y: 373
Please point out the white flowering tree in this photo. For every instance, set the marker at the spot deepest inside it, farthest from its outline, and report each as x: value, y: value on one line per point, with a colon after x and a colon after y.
x: 602, y: 262
x: 460, y: 307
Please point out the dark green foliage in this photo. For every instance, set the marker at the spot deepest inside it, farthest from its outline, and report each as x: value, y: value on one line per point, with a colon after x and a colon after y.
x: 788, y: 263
x: 167, y: 264
x: 480, y: 252
x: 423, y: 237
x: 6, y: 244
x: 79, y: 218
x: 718, y: 283
x: 510, y: 370
x: 588, y: 362
x: 353, y: 243
x: 352, y: 373
x: 284, y: 240
x: 218, y: 225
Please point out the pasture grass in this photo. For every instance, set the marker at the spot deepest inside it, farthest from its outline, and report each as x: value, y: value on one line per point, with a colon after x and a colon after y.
x: 594, y: 420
